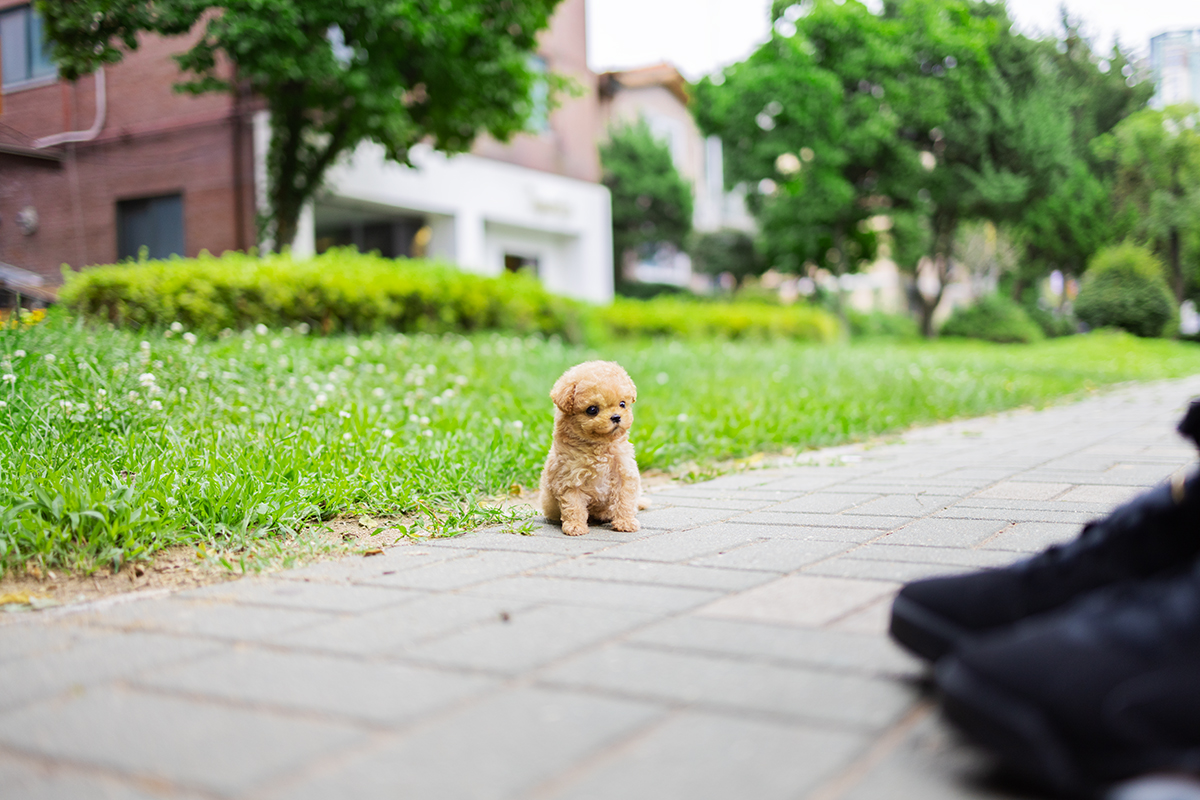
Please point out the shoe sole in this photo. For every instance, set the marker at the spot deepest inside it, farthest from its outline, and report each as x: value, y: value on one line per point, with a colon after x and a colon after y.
x: 921, y: 631
x: 1010, y: 727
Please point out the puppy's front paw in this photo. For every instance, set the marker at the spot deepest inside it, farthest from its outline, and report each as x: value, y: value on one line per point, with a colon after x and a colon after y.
x: 630, y: 525
x: 574, y: 528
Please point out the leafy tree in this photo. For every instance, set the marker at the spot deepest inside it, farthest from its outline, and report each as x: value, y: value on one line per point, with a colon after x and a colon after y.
x: 332, y: 74
x: 726, y: 250
x: 1156, y: 155
x: 651, y: 202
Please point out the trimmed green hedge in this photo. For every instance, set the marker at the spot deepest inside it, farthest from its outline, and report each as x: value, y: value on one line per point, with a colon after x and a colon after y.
x: 340, y: 290
x: 682, y: 318
x: 345, y: 291
x: 994, y: 318
x: 1124, y: 287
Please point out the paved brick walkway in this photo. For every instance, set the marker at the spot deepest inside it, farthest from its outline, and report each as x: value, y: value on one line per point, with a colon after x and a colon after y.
x: 734, y: 648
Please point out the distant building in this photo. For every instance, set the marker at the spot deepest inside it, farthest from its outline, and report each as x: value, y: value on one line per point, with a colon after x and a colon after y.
x: 1175, y: 64
x: 658, y: 95
x: 93, y: 171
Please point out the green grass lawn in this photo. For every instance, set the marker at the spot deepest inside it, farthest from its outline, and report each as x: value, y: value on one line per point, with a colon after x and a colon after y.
x: 117, y: 444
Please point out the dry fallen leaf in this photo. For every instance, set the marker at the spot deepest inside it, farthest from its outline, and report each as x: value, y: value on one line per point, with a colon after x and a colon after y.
x: 374, y: 551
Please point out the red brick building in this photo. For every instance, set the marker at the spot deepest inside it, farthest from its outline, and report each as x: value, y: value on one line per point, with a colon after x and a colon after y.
x: 92, y: 171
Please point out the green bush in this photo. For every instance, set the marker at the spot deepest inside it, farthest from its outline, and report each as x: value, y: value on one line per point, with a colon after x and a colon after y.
x: 338, y: 291
x: 876, y: 324
x: 994, y: 318
x: 1052, y: 323
x: 645, y: 291
x: 1124, y: 288
x: 678, y: 317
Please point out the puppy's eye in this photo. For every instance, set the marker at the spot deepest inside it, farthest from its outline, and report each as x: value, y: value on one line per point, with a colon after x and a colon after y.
x: 622, y: 404
x: 593, y: 410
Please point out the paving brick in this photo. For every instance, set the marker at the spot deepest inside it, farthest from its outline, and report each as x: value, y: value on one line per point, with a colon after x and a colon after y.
x: 1110, y: 496
x: 1031, y: 537
x: 805, y: 647
x: 875, y: 570
x: 682, y: 518
x: 90, y: 660
x: 1024, y: 490
x: 870, y: 620
x: 393, y: 559
x: 949, y: 556
x: 479, y: 566
x: 859, y: 521
x: 942, y: 532
x: 381, y: 693
x: 1010, y: 514
x: 541, y: 542
x: 655, y: 573
x: 804, y: 600
x: 500, y: 748
x: 227, y: 751
x: 826, y: 502
x: 683, y: 545
x: 727, y: 684
x: 663, y: 500
x: 27, y: 639
x: 24, y: 779
x: 774, y: 555
x: 602, y: 594
x: 703, y: 756
x: 529, y: 638
x: 916, y: 504
x: 218, y: 620
x: 299, y: 594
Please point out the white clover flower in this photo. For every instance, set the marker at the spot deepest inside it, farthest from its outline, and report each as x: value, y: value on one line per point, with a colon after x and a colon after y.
x: 182, y: 391
x: 329, y: 387
x: 424, y: 420
x: 177, y: 326
x: 495, y: 420
x: 386, y: 408
x: 461, y: 380
x: 102, y: 392
x: 190, y: 337
x: 436, y: 400
x: 66, y: 405
x: 388, y: 433
x: 348, y: 361
x: 276, y: 343
x: 155, y: 405
x: 344, y: 414
x: 168, y: 334
x: 378, y: 391
x: 346, y: 437
x: 3, y: 404
x: 145, y: 346
x: 134, y: 397
x: 8, y: 377
x: 312, y: 407
x: 303, y: 328
x: 682, y: 418
x: 413, y: 418
x: 18, y: 354
x: 518, y: 424
x: 146, y: 378
x: 202, y: 375
x: 427, y: 433
x: 380, y: 369
x: 261, y: 330
x: 662, y: 378
x: 353, y: 350
x: 50, y: 358
x: 321, y: 398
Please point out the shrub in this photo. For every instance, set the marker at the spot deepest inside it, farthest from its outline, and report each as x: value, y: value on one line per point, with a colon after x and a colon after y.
x: 994, y: 318
x: 726, y: 250
x: 1124, y: 288
x: 340, y: 290
x: 645, y: 291
x: 1052, y: 323
x: 876, y: 324
x: 677, y: 317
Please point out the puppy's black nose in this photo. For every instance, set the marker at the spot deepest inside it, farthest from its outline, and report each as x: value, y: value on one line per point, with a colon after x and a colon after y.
x: 616, y: 418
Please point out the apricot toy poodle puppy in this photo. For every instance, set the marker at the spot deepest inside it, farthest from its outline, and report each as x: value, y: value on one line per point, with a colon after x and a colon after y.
x: 591, y: 471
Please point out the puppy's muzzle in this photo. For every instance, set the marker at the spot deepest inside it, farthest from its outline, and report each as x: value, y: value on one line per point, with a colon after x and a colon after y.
x: 616, y: 419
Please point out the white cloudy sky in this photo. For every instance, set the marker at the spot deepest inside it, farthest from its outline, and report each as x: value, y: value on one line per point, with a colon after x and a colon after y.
x: 700, y: 35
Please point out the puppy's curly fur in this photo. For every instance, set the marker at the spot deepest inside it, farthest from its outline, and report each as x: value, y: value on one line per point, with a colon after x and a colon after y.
x: 591, y: 470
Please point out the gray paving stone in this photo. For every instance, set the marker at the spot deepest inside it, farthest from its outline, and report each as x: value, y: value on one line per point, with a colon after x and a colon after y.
x: 949, y: 556
x: 858, y: 521
x: 875, y: 570
x: 226, y: 751
x: 910, y: 505
x: 1015, y: 515
x: 393, y: 558
x: 90, y: 660
x: 663, y: 501
x: 393, y: 629
x: 503, y: 747
x: 799, y: 533
x: 299, y: 594
x: 826, y: 502
x: 529, y: 638
x: 943, y: 532
x: 825, y: 649
x: 729, y: 684
x: 703, y: 756
x: 19, y: 640
x: 774, y: 555
x: 25, y: 779
x: 1031, y: 537
x: 541, y: 542
x: 655, y: 573
x: 682, y: 545
x: 219, y: 620
x: 601, y: 594
x: 683, y: 517
x: 381, y: 693
x: 479, y: 566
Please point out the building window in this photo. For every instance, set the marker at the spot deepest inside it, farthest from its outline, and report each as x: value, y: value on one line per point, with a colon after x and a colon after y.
x: 539, y: 97
x: 153, y: 223
x: 24, y: 51
x: 516, y: 263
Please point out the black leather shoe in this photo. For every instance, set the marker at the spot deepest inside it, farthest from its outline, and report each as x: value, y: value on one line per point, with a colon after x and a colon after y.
x: 1148, y: 536
x: 1100, y: 691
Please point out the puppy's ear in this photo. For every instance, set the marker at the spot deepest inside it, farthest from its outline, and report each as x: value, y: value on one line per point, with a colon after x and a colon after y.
x: 563, y: 395
x: 632, y: 391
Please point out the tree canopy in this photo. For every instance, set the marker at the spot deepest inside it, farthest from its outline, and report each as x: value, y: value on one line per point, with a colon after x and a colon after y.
x: 332, y: 74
